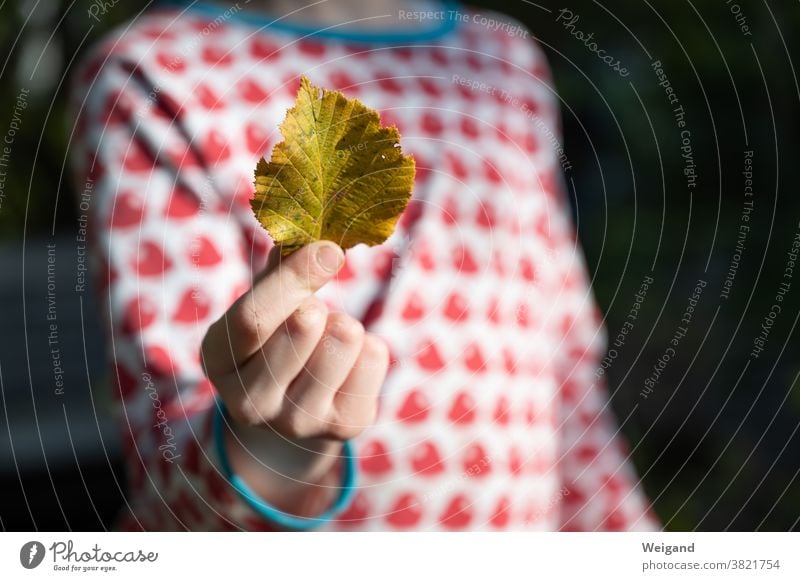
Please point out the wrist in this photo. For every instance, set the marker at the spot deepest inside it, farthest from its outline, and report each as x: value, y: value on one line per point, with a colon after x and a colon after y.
x: 293, y: 475
x: 284, y: 499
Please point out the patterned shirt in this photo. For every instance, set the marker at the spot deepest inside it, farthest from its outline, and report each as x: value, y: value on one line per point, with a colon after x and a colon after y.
x: 493, y: 415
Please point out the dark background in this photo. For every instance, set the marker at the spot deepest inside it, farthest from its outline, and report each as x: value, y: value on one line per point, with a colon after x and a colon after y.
x: 716, y: 442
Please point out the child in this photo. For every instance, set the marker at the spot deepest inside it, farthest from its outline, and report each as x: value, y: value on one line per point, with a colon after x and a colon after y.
x: 263, y: 397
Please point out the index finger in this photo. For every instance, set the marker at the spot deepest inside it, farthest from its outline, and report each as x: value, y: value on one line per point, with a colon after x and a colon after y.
x: 255, y: 316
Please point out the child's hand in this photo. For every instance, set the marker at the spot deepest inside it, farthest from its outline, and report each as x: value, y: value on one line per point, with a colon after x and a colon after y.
x: 296, y: 379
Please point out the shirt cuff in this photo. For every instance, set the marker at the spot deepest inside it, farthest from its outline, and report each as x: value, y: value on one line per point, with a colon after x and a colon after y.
x: 266, y: 510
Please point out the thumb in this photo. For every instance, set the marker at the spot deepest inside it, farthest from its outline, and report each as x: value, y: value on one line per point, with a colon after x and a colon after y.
x: 274, y: 258
x: 291, y: 279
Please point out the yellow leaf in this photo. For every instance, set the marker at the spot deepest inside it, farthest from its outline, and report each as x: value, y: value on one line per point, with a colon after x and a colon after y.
x: 337, y: 175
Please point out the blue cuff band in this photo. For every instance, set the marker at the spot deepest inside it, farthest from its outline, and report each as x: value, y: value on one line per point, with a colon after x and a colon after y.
x: 448, y: 11
x: 268, y: 511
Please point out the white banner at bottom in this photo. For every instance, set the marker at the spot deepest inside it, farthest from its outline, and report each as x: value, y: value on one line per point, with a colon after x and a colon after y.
x: 399, y: 556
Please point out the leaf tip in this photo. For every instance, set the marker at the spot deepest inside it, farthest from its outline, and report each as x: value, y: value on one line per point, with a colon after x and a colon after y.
x: 306, y: 86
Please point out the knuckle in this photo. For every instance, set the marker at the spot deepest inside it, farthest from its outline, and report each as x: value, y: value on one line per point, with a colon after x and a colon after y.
x: 294, y: 424
x: 345, y: 328
x: 354, y: 415
x: 308, y: 319
x: 345, y: 431
x: 244, y: 322
x: 375, y: 352
x: 247, y: 413
x: 253, y: 409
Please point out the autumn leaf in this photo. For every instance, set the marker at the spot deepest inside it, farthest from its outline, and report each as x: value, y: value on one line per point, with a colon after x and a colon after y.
x: 337, y: 175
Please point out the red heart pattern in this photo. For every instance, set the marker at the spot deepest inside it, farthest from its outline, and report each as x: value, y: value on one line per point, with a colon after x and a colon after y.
x: 415, y: 407
x: 263, y: 49
x: 149, y: 260
x: 182, y: 203
x: 463, y: 409
x: 426, y: 460
x: 455, y: 308
x: 215, y: 148
x: 257, y: 139
x: 473, y: 359
x: 128, y: 211
x: 406, y: 512
x: 251, y: 91
x: 477, y: 463
x: 414, y: 309
x: 216, y: 56
x: 358, y: 510
x: 193, y: 307
x: 138, y: 157
x: 203, y: 252
x: 375, y: 459
x: 463, y: 261
x: 140, y: 313
x: 429, y: 357
x: 458, y: 513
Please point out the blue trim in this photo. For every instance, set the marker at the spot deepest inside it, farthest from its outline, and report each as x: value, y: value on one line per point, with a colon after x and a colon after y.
x: 446, y: 25
x: 268, y: 511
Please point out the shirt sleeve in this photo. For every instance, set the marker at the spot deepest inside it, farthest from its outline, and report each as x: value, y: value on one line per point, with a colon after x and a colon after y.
x: 600, y: 490
x: 170, y: 254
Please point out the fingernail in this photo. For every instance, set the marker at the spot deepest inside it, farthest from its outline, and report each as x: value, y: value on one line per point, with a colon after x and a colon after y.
x: 330, y: 257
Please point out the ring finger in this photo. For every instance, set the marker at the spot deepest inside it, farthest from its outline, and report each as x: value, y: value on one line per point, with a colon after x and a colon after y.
x: 313, y: 390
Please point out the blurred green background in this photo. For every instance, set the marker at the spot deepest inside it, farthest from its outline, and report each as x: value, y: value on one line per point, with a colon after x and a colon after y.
x: 717, y: 441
